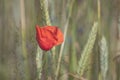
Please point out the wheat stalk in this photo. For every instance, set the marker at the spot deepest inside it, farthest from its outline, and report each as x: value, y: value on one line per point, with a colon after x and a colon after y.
x: 45, y: 20
x: 39, y: 62
x: 62, y: 46
x: 44, y: 12
x: 103, y: 57
x: 87, y: 50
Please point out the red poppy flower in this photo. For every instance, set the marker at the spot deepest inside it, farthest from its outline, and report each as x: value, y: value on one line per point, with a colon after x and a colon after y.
x: 48, y: 36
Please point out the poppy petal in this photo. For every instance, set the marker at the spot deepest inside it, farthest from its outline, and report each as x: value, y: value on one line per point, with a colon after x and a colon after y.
x: 48, y: 36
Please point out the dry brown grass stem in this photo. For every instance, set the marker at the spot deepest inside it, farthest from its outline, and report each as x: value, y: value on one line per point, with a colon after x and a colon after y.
x: 23, y: 34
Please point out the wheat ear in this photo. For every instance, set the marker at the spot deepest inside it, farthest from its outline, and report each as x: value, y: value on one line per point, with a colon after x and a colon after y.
x: 87, y: 50
x: 44, y: 12
x: 39, y: 62
x: 103, y: 57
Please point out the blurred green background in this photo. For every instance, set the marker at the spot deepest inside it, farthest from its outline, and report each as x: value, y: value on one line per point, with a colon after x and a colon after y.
x: 19, y: 49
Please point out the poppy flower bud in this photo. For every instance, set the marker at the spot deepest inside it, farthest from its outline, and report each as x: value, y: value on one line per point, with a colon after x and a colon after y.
x: 48, y: 36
